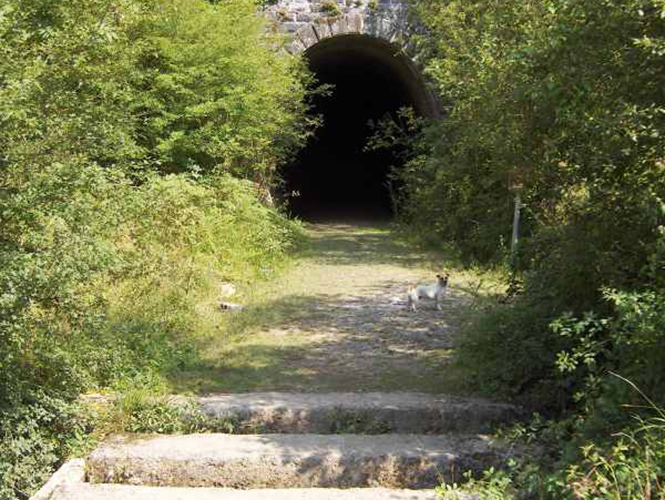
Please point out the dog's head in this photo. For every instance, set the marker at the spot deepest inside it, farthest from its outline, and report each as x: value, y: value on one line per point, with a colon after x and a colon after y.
x: 442, y: 279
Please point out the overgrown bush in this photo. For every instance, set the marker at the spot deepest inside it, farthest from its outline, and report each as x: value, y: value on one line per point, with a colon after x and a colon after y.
x: 113, y: 285
x: 33, y: 437
x: 514, y: 346
x: 170, y: 85
x: 563, y: 100
x: 137, y: 138
x: 632, y: 466
x: 628, y: 464
x: 577, y: 128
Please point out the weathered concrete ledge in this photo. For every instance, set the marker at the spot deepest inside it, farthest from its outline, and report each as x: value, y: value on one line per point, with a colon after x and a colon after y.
x: 123, y: 492
x: 70, y: 473
x: 370, y: 413
x: 291, y: 461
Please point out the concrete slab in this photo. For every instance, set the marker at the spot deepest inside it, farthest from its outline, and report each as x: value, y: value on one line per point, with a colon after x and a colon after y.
x: 70, y: 473
x: 291, y: 461
x: 124, y: 492
x: 373, y: 413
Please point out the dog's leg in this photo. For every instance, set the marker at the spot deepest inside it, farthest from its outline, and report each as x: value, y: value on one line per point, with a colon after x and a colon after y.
x: 410, y: 299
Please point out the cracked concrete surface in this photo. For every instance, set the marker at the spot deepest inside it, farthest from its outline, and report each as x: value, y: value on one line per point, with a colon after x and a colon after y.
x: 124, y: 492
x: 291, y: 461
x: 370, y: 413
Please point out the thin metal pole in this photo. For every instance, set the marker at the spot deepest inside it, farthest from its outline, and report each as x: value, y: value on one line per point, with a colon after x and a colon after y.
x: 516, y: 226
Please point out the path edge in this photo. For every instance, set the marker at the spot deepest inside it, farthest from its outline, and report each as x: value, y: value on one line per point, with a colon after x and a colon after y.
x: 71, y: 472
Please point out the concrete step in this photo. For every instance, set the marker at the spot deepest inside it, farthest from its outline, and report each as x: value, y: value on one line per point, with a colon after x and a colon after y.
x: 69, y: 484
x: 291, y: 461
x: 85, y: 491
x: 355, y: 413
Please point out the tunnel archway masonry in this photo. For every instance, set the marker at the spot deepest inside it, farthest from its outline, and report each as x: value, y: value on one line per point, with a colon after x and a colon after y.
x: 362, y: 48
x: 309, y: 22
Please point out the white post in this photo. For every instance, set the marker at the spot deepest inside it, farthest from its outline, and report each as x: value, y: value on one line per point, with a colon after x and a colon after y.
x: 516, y: 225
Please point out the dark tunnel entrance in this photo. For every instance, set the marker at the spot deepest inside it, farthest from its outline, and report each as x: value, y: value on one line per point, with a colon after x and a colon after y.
x: 333, y: 176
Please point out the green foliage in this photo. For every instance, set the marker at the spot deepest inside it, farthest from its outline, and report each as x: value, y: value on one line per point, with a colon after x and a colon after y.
x: 163, y: 84
x: 330, y: 7
x: 219, y: 97
x: 630, y: 344
x: 140, y: 410
x: 102, y: 293
x: 516, y: 331
x: 562, y: 99
x: 629, y: 464
x: 108, y: 271
x: 494, y: 485
x: 579, y: 128
x: 33, y: 439
x: 631, y: 467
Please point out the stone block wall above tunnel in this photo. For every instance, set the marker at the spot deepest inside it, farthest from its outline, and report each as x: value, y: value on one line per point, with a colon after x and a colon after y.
x: 311, y: 21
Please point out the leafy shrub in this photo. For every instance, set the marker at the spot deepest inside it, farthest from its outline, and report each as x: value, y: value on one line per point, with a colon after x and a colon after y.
x: 166, y: 84
x: 632, y: 467
x: 330, y: 8
x: 579, y: 133
x: 629, y: 464
x: 629, y: 345
x: 611, y: 444
x: 510, y: 350
x: 219, y: 95
x: 110, y: 286
x: 562, y: 98
x: 108, y: 271
x: 34, y: 436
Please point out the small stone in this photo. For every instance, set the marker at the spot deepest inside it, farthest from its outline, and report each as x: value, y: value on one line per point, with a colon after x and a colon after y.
x: 230, y: 306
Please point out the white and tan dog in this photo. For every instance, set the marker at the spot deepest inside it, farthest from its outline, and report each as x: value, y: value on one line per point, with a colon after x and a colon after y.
x: 435, y: 291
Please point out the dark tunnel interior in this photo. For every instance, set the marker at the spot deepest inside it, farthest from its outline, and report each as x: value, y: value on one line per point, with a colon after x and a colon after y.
x: 333, y: 177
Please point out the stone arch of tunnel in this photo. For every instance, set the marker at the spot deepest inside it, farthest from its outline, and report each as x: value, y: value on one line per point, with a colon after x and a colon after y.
x: 334, y: 176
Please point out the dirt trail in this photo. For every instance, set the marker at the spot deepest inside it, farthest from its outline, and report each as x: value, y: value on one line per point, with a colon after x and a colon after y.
x: 338, y: 321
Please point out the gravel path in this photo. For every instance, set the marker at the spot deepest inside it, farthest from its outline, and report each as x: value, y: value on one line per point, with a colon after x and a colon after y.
x: 338, y: 321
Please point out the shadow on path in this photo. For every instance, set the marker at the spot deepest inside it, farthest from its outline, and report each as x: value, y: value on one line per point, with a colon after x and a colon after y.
x: 339, y: 322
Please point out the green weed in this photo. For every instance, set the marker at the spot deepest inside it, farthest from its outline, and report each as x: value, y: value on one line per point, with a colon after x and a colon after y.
x: 330, y: 8
x: 358, y: 422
